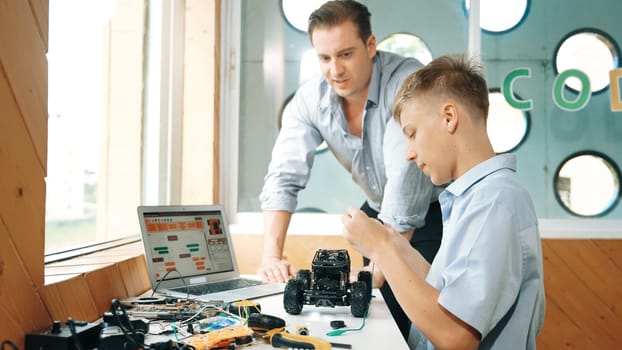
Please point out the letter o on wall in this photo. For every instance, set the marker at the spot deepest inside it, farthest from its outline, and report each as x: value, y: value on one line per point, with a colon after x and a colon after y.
x: 583, y: 95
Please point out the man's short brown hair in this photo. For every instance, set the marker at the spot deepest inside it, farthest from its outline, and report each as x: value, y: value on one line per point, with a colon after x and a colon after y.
x: 336, y: 12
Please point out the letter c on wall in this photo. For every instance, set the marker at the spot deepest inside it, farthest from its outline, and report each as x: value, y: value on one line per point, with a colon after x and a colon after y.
x: 508, y: 89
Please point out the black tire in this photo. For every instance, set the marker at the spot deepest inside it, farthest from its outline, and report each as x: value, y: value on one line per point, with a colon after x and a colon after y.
x: 293, y: 297
x: 304, y: 276
x: 359, y: 300
x: 365, y: 276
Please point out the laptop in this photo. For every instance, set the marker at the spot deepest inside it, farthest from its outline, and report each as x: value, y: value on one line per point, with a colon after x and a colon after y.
x: 190, y: 255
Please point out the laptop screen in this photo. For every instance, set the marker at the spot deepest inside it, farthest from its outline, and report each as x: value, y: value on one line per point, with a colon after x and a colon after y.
x: 191, y: 242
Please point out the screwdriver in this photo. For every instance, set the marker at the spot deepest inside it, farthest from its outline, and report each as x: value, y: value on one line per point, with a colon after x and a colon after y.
x: 288, y: 340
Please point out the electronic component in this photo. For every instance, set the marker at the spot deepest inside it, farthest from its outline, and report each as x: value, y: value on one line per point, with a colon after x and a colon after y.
x: 243, y: 308
x: 302, y: 330
x: 264, y: 322
x: 60, y: 337
x: 214, y: 338
x: 336, y: 324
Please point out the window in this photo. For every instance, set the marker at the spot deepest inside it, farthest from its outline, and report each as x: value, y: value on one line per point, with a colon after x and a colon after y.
x: 497, y: 16
x: 507, y: 126
x: 297, y: 12
x: 407, y: 45
x: 588, y: 184
x: 590, y: 51
x: 121, y: 133
x: 95, y: 93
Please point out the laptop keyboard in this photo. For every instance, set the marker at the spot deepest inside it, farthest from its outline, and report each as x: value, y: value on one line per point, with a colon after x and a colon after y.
x: 218, y: 286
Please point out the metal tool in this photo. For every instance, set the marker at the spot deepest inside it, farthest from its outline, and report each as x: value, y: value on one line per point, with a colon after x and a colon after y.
x: 295, y: 341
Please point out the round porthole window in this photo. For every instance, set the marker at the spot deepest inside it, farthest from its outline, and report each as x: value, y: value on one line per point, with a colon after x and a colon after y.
x: 408, y: 45
x: 500, y: 15
x: 507, y: 126
x: 587, y: 184
x: 297, y: 12
x: 590, y: 51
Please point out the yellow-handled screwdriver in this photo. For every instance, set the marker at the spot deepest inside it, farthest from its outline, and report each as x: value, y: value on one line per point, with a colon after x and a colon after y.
x: 295, y: 341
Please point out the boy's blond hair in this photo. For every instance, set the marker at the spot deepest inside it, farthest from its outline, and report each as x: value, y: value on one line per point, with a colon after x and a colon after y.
x: 453, y: 76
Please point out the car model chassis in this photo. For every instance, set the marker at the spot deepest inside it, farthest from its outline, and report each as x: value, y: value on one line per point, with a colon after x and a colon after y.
x: 328, y: 285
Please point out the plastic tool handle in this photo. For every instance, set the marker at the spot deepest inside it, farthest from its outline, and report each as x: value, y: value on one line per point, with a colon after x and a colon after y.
x: 296, y: 341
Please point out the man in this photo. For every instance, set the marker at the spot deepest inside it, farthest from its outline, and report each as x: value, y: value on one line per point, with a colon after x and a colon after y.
x: 349, y: 107
x: 485, y: 287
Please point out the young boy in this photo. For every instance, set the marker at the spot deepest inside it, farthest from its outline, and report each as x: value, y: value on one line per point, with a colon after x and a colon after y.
x: 484, y: 288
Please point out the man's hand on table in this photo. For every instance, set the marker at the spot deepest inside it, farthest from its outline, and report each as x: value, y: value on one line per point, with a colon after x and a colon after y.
x: 275, y: 269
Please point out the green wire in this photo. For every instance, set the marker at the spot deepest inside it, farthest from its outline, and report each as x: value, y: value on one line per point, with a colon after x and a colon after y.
x: 343, y: 330
x: 174, y: 327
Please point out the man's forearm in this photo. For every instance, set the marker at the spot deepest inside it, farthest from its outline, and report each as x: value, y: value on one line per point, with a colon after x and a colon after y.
x: 275, y: 230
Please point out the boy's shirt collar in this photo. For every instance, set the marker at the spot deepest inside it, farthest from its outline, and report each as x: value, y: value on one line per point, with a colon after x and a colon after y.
x: 480, y: 171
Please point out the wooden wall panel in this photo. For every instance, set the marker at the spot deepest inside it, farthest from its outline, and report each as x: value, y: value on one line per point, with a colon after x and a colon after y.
x: 22, y: 52
x: 559, y: 333
x: 595, y: 269
x: 612, y: 248
x: 20, y: 305
x: 134, y: 275
x: 580, y: 295
x: 299, y: 250
x: 40, y: 9
x: 22, y: 188
x: 105, y: 284
x: 70, y: 298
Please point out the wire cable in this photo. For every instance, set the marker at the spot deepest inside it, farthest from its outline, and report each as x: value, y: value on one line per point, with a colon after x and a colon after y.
x: 116, y: 305
x: 74, y: 335
x: 164, y: 277
x: 8, y: 343
x: 340, y: 331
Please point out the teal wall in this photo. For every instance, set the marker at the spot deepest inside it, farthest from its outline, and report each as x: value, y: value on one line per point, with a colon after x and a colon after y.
x: 554, y: 133
x: 271, y: 51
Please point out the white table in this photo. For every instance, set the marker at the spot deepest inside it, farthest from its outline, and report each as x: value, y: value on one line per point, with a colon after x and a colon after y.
x: 380, y: 330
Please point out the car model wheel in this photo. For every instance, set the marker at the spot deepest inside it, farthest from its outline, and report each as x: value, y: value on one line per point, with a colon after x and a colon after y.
x: 359, y: 299
x: 293, y: 297
x: 304, y: 276
x: 365, y: 276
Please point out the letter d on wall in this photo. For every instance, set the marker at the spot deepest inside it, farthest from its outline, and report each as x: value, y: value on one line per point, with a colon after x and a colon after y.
x: 615, y: 77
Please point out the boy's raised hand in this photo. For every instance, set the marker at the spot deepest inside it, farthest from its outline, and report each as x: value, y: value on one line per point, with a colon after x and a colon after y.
x: 362, y: 232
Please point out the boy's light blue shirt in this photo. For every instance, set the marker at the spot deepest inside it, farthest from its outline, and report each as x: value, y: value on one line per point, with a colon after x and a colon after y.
x: 489, y: 266
x: 376, y: 160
